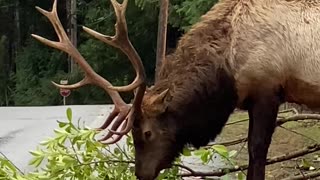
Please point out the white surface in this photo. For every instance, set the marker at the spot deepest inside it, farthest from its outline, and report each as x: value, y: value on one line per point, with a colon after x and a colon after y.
x: 22, y: 128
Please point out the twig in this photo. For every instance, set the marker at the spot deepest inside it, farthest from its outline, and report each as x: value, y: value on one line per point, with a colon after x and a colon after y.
x: 184, y: 167
x: 280, y: 122
x: 294, y: 110
x: 238, y: 121
x: 295, y: 132
x: 300, y: 170
x: 75, y: 152
x: 230, y: 143
x: 11, y: 162
x: 302, y: 152
x: 304, y: 176
x: 280, y: 112
x: 242, y: 147
x: 298, y: 117
x: 273, y: 160
x: 122, y: 150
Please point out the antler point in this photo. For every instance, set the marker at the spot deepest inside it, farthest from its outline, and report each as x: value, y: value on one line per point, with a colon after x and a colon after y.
x: 55, y: 84
x: 39, y: 38
x: 42, y: 11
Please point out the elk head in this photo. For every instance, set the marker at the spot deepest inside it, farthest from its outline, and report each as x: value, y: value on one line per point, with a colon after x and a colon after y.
x: 147, y: 115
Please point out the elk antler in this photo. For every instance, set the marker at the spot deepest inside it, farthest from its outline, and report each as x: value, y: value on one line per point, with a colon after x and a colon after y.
x: 121, y: 41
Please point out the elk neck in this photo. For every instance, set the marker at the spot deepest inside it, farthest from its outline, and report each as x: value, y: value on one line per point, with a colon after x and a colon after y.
x: 200, y: 79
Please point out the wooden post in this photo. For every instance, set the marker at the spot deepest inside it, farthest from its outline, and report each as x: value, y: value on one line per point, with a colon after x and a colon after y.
x: 72, y: 27
x: 162, y: 35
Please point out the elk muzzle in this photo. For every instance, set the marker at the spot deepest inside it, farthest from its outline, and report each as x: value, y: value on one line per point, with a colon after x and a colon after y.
x: 145, y: 173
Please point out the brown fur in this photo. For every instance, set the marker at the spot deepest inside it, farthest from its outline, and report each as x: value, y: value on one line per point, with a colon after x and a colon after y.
x: 254, y: 54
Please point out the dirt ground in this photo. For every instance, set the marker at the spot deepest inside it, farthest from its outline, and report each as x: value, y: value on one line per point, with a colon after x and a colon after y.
x: 294, y: 136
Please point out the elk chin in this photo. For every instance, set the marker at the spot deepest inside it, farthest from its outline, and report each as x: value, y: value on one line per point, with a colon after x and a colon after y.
x: 149, y: 162
x: 150, y: 169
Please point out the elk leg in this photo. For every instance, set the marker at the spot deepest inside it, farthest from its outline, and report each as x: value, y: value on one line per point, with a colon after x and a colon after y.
x: 263, y: 115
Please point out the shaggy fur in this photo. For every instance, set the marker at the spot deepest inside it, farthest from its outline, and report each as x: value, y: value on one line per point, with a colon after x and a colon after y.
x: 254, y: 54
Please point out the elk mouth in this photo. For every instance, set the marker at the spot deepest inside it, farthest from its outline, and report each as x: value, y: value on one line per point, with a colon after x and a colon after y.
x: 146, y: 175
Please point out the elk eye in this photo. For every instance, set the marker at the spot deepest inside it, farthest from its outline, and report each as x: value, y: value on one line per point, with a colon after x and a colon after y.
x: 147, y: 135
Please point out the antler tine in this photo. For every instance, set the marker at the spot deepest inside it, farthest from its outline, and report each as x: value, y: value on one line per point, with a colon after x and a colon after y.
x: 77, y: 85
x: 109, y: 119
x: 133, y: 112
x: 129, y: 119
x: 115, y: 140
x: 121, y: 41
x: 91, y: 77
x: 121, y: 118
x: 54, y: 19
x: 126, y: 114
x: 64, y: 44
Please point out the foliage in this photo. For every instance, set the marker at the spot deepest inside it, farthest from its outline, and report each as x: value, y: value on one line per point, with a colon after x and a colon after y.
x: 73, y: 153
x: 33, y: 66
x: 185, y: 13
x: 182, y: 13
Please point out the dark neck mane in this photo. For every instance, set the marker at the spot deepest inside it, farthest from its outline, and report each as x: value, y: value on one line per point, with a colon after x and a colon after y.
x: 201, y: 84
x: 201, y: 98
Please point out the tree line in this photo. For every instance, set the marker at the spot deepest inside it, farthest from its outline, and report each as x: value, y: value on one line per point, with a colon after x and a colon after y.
x: 27, y: 67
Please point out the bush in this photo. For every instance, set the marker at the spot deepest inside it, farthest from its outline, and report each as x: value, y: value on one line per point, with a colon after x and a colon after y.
x: 73, y: 153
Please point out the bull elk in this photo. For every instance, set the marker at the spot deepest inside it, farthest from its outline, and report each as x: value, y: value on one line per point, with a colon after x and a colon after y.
x: 247, y: 54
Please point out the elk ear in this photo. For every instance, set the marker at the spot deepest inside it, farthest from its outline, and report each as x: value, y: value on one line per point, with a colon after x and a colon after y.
x: 159, y: 100
x: 155, y: 101
x: 160, y: 97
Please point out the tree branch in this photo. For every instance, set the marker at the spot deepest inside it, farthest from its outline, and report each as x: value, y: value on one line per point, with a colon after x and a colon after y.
x: 298, y: 117
x: 300, y: 134
x: 273, y: 160
x: 293, y: 110
x: 304, y: 176
x: 280, y: 122
x: 231, y: 143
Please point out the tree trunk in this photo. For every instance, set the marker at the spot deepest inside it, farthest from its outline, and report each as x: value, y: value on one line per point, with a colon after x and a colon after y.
x: 162, y: 35
x: 17, y: 27
x: 72, y: 27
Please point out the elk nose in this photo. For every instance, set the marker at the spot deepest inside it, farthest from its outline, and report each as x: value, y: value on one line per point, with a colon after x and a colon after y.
x: 145, y: 176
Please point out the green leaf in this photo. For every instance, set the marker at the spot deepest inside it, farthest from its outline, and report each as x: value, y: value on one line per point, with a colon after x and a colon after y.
x: 69, y: 114
x: 199, y: 152
x: 8, y: 164
x: 62, y: 139
x: 305, y: 164
x: 205, y: 157
x: 232, y: 153
x: 186, y: 151
x: 221, y: 150
x: 241, y: 176
x: 36, y: 153
x: 68, y: 159
x: 45, y: 142
x: 36, y: 161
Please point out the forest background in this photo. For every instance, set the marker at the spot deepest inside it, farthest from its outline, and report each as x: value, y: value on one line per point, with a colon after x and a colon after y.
x: 27, y: 67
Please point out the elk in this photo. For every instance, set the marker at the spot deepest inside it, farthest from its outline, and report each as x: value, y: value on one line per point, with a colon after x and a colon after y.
x: 248, y: 54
